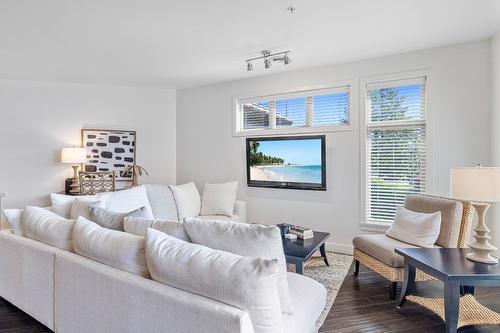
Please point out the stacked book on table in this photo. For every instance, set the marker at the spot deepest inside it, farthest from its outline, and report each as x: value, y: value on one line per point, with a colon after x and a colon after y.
x: 301, y: 232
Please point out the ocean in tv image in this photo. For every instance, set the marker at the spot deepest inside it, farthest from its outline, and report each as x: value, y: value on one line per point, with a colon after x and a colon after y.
x: 286, y: 160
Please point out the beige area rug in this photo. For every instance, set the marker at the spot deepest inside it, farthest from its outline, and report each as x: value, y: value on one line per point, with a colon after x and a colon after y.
x: 330, y: 276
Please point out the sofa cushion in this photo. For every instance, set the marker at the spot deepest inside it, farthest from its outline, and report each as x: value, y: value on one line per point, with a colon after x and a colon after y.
x: 451, y: 215
x: 421, y: 229
x: 381, y: 248
x: 162, y: 202
x: 127, y: 200
x: 250, y: 240
x: 309, y: 299
x: 47, y: 227
x: 219, y: 199
x: 138, y: 226
x: 114, y: 248
x: 112, y: 220
x: 247, y: 283
x: 187, y: 199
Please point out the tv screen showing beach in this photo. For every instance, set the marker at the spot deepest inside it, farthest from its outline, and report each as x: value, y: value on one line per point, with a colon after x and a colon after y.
x: 286, y: 161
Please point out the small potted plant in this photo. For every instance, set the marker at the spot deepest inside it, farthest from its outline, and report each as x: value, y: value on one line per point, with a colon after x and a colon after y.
x: 134, y: 171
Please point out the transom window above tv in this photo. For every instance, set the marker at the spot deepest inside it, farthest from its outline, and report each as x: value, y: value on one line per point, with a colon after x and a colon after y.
x: 299, y: 112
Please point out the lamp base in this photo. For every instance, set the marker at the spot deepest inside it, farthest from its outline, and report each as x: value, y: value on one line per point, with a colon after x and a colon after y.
x: 481, y: 248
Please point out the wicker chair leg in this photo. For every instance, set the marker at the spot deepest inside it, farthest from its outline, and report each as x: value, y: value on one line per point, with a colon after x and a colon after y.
x: 356, y: 268
x: 393, y: 291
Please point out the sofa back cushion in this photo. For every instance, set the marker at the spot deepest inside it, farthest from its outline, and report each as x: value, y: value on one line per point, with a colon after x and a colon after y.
x: 138, y: 226
x: 47, y: 227
x: 451, y: 215
x: 247, y: 283
x: 114, y: 248
x: 250, y: 240
x: 162, y: 202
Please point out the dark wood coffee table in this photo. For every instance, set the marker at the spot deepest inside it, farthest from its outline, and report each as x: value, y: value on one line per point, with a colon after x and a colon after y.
x: 459, y: 274
x: 299, y: 250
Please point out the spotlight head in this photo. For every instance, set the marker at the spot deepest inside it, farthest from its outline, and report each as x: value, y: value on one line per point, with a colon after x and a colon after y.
x: 267, y: 63
x: 249, y: 66
x: 286, y: 59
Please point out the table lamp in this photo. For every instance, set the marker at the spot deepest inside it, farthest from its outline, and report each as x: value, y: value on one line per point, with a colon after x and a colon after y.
x: 74, y: 156
x: 481, y: 186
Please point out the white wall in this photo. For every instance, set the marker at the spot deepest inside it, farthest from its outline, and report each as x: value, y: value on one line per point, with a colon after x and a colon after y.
x: 459, y: 106
x: 38, y: 119
x: 494, y: 218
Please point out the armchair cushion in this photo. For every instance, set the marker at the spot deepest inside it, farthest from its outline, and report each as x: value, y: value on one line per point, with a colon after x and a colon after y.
x: 381, y: 247
x: 451, y: 215
x: 415, y: 228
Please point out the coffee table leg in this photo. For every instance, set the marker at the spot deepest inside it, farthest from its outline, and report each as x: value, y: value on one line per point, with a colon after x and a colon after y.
x: 451, y: 305
x: 408, y: 285
x: 323, y: 254
x: 299, y: 267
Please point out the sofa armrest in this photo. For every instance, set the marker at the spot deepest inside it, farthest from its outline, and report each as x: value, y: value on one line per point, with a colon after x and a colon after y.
x: 92, y: 297
x: 240, y: 210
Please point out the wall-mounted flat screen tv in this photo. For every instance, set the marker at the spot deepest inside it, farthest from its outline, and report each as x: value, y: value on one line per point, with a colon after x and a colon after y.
x: 294, y: 162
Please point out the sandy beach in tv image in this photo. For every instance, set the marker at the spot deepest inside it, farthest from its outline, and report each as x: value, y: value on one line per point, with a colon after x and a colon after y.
x: 286, y: 160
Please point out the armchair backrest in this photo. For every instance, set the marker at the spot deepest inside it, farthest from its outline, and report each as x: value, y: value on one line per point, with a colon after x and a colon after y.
x: 456, y: 217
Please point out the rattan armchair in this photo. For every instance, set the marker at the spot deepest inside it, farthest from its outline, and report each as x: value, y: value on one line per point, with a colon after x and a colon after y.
x: 394, y: 271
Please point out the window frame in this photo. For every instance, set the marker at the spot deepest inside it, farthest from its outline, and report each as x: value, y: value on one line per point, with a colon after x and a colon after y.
x: 377, y: 225
x: 319, y: 90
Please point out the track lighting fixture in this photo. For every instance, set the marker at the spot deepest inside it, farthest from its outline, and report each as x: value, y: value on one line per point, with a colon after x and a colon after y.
x: 267, y: 63
x: 269, y: 58
x: 286, y: 59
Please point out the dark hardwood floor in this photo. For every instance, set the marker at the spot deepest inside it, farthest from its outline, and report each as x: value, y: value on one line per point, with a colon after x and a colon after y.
x: 13, y: 320
x: 363, y: 305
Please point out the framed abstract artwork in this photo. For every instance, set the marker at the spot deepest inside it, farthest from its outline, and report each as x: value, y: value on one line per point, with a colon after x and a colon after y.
x: 109, y: 150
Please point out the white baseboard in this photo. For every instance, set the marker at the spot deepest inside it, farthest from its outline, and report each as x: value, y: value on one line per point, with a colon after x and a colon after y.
x: 339, y: 248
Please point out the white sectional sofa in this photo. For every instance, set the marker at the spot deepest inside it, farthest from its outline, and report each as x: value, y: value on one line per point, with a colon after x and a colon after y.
x: 70, y: 293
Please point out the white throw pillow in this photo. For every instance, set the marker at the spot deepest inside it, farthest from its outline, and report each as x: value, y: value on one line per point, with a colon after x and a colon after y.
x: 47, y: 227
x: 138, y: 226
x: 219, y: 199
x: 81, y: 205
x: 114, y: 248
x: 246, y: 283
x: 249, y: 240
x: 415, y: 228
x: 127, y: 200
x: 15, y: 216
x: 61, y: 204
x: 187, y: 199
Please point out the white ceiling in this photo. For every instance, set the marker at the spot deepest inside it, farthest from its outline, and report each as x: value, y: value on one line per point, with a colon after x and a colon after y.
x: 185, y: 43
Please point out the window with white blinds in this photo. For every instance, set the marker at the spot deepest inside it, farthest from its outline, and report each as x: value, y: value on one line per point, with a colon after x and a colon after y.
x: 395, y: 145
x: 316, y: 108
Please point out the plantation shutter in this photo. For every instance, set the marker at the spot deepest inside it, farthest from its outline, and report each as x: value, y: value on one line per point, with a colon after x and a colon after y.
x: 395, y: 145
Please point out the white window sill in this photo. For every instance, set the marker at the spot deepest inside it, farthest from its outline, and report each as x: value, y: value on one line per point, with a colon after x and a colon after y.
x: 295, y: 130
x: 375, y: 226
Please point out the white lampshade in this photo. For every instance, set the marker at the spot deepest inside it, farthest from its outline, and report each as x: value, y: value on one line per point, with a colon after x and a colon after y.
x: 74, y: 155
x: 478, y: 184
